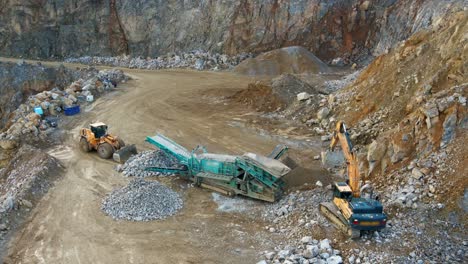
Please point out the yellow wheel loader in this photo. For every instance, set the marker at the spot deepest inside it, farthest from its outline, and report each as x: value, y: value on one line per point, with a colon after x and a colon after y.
x: 107, y: 146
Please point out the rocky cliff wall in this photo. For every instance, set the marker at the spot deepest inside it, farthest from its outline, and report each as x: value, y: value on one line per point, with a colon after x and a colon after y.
x: 332, y: 28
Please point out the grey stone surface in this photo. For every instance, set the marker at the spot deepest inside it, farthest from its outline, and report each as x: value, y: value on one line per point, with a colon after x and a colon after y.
x: 66, y: 28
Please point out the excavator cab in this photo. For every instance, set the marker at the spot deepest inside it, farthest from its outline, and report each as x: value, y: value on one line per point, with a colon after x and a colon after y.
x: 342, y: 190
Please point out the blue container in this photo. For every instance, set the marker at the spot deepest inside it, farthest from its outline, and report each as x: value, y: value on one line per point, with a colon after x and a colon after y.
x: 72, y: 110
x: 38, y: 110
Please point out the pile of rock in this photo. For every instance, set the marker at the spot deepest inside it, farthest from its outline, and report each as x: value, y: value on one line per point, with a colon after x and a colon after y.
x: 309, y: 250
x: 142, y: 201
x: 135, y: 166
x: 199, y: 60
x: 26, y: 177
x: 296, y: 214
x: 420, y: 181
x: 25, y: 120
x: 336, y: 85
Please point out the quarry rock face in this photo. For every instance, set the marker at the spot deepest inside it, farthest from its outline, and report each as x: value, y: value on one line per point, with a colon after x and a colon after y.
x: 343, y: 28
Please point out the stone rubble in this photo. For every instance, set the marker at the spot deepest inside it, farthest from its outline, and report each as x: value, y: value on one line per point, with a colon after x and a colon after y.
x: 142, y: 200
x: 296, y: 213
x: 306, y: 250
x: 135, y: 166
x: 296, y: 218
x: 25, y: 121
x: 198, y: 60
x: 26, y: 177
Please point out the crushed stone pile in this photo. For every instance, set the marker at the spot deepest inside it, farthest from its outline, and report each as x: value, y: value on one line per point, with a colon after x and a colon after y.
x: 198, y: 60
x: 293, y: 60
x: 136, y: 165
x: 142, y: 201
x: 308, y: 250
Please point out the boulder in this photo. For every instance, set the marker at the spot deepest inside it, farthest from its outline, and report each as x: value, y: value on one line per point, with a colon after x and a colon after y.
x: 307, y: 240
x: 430, y: 110
x: 334, y: 260
x: 417, y: 174
x: 313, y: 251
x: 449, y: 126
x: 8, y: 144
x: 325, y: 245
x: 323, y: 113
x: 375, y: 153
x: 303, y: 96
x: 398, y: 151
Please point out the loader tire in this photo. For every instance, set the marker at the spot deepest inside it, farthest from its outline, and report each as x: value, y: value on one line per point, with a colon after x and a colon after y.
x: 105, y: 151
x: 121, y: 142
x: 84, y: 145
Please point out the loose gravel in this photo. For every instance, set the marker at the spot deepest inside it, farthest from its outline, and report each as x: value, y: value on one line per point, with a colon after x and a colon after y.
x: 136, y: 165
x: 142, y: 200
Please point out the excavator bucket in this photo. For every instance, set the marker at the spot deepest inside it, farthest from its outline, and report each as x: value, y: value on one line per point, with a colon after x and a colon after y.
x: 332, y: 159
x: 123, y: 154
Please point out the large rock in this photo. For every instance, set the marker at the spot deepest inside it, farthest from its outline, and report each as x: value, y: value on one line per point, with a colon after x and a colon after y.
x: 8, y: 144
x: 334, y: 260
x: 375, y: 153
x: 449, y: 126
x: 303, y: 96
x: 325, y: 245
x: 323, y: 113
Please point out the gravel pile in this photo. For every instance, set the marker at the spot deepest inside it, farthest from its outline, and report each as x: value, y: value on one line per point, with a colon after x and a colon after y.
x: 308, y: 250
x: 142, y: 201
x: 136, y: 165
x: 199, y: 60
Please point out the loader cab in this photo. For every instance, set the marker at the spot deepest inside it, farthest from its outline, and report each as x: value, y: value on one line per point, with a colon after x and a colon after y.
x: 342, y: 190
x: 99, y: 129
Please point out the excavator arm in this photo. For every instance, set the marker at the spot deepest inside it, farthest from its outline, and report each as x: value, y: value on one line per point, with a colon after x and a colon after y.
x: 340, y: 135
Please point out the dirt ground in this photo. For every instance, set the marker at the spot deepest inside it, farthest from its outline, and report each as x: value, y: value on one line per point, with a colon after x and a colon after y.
x: 68, y: 225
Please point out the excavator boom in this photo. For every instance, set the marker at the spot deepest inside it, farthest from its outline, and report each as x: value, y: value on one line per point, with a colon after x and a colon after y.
x: 341, y: 135
x: 348, y: 211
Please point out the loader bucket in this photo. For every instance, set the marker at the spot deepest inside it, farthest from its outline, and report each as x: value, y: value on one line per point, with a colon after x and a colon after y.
x: 123, y: 154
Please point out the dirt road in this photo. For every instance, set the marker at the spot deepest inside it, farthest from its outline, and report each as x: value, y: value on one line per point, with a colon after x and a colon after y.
x: 68, y: 226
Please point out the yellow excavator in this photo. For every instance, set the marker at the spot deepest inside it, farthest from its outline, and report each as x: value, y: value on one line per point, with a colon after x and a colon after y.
x: 350, y: 212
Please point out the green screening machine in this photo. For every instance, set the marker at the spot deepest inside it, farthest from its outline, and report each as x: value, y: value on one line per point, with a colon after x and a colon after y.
x: 252, y: 175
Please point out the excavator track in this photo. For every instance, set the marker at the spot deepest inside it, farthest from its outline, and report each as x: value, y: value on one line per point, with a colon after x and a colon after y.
x: 331, y: 212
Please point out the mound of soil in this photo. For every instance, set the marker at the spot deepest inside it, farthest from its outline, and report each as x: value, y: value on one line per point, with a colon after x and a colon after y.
x: 287, y: 86
x: 260, y: 97
x: 286, y: 60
